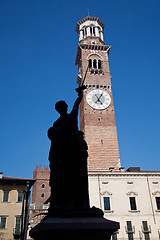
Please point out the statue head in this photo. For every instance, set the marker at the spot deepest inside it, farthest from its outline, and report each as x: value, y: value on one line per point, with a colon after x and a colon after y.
x: 61, y: 107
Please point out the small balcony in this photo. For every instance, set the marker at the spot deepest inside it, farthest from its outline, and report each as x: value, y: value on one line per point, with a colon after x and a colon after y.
x: 130, y: 230
x: 146, y: 230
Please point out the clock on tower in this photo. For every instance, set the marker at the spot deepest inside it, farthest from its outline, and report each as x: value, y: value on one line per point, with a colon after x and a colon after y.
x: 97, y: 117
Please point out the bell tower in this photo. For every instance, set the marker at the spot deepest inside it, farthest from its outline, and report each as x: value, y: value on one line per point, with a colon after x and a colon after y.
x: 97, y: 117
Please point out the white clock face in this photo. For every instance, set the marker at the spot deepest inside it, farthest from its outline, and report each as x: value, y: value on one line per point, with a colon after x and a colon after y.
x: 98, y: 99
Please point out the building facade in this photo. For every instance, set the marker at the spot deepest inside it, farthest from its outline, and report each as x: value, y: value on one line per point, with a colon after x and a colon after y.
x: 11, y: 204
x: 131, y: 197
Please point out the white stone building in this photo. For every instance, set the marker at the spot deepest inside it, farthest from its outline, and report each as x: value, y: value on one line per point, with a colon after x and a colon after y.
x: 131, y: 198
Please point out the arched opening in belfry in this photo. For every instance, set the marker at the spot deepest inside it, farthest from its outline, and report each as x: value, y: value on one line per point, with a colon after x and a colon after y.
x: 94, y: 63
x: 94, y: 32
x: 90, y: 63
x: 99, y: 64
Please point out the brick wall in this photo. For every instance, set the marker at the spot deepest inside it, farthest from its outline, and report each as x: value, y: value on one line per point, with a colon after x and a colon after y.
x: 41, y: 188
x: 99, y: 126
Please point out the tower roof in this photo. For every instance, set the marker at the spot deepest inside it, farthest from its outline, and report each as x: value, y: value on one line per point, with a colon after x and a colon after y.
x: 88, y: 18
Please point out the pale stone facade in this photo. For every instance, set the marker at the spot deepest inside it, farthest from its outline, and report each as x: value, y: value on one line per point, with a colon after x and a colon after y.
x: 11, y: 200
x: 119, y: 187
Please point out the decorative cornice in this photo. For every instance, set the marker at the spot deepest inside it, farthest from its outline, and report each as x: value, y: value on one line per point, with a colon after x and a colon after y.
x: 156, y: 193
x: 124, y: 174
x: 106, y: 193
x: 132, y: 193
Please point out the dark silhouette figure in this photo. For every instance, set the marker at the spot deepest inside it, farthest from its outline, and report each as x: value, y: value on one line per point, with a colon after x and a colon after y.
x: 68, y: 163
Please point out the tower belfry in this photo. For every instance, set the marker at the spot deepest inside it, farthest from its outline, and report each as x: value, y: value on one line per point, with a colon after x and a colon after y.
x: 97, y: 117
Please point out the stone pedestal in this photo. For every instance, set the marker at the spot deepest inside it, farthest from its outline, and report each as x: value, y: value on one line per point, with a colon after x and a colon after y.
x: 96, y: 228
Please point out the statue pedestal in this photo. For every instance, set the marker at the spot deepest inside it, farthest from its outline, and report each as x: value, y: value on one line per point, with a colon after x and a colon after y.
x: 95, y: 228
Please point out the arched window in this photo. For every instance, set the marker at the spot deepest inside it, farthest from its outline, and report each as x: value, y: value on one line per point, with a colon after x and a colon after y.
x: 99, y: 64
x: 94, y: 63
x: 90, y: 63
x: 43, y: 185
x: 94, y: 32
x: 85, y: 31
x: 42, y: 195
x: 91, y: 30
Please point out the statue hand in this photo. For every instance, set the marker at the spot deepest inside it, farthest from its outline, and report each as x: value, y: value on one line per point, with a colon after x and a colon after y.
x: 80, y: 89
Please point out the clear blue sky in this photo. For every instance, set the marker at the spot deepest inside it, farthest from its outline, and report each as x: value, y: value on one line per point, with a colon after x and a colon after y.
x: 38, y: 45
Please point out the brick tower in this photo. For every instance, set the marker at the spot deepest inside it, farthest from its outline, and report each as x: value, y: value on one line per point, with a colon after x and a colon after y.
x: 41, y: 188
x: 97, y: 117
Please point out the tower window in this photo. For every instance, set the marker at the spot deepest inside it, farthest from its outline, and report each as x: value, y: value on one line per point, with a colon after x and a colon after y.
x: 91, y: 30
x: 158, y: 203
x: 42, y: 195
x: 133, y: 203
x: 94, y: 63
x: 94, y: 32
x: 90, y: 63
x: 43, y: 185
x: 85, y: 31
x: 99, y: 64
x: 107, y: 203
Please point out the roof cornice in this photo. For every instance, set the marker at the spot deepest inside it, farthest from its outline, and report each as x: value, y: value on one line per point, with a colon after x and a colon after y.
x: 22, y: 181
x: 125, y: 174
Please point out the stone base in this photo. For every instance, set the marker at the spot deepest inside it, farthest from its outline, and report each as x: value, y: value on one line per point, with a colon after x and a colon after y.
x: 74, y: 229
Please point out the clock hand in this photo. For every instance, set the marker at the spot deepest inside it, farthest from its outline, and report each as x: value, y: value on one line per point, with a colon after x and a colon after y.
x: 98, y: 98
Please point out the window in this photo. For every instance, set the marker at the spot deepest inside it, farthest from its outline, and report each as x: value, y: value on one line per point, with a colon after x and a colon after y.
x: 114, y: 236
x: 91, y: 30
x: 3, y: 221
x: 94, y: 32
x: 133, y: 203
x: 146, y: 230
x: 99, y: 64
x: 146, y: 236
x: 85, y: 31
x: 107, y: 203
x: 20, y: 197
x: 43, y: 185
x: 158, y: 203
x: 42, y: 195
x: 17, y: 229
x: 94, y: 63
x: 129, y: 230
x: 5, y: 196
x: 90, y: 63
x: 145, y: 225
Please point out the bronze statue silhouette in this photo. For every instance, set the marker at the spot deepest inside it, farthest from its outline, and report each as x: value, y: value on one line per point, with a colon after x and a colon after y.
x: 68, y: 164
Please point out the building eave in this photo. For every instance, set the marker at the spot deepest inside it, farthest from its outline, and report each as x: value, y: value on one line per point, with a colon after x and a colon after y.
x: 19, y: 181
x: 124, y: 174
